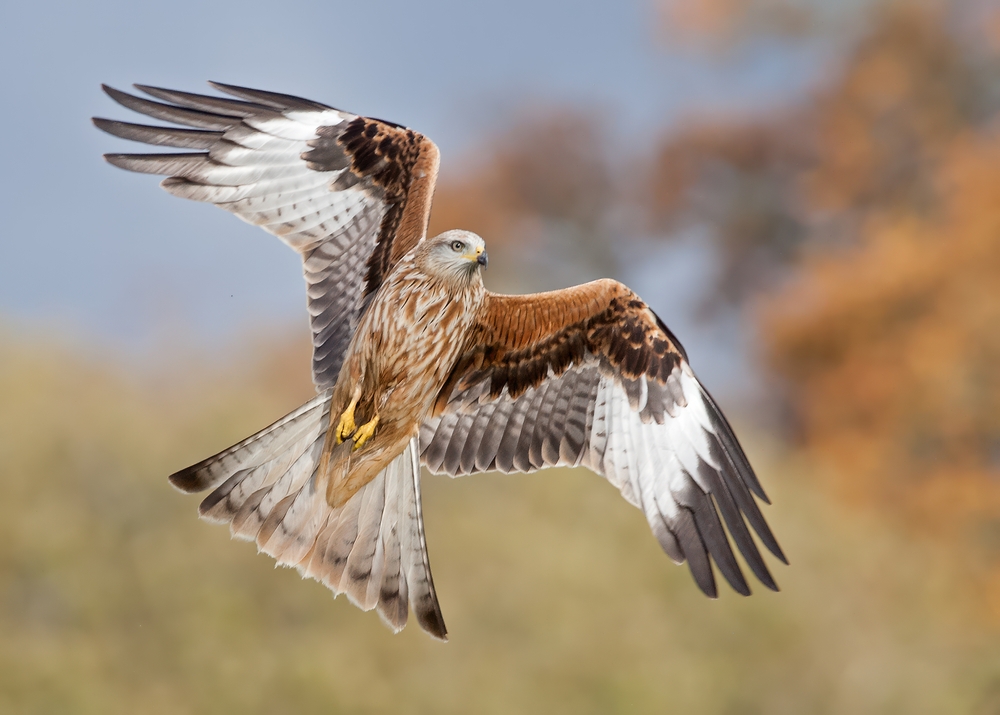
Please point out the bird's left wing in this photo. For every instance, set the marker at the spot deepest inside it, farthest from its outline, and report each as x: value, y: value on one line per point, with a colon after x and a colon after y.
x: 351, y: 194
x: 591, y: 376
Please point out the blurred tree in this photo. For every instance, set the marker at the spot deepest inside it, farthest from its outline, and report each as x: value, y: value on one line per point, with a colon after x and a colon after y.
x: 890, y: 349
x: 547, y: 186
x: 867, y: 219
x: 915, y: 82
x: 740, y: 184
x: 767, y: 188
x: 716, y: 24
x: 898, y: 388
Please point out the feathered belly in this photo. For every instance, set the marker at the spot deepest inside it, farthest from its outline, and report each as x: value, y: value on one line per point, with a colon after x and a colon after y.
x: 404, y: 350
x: 400, y: 357
x: 416, y: 349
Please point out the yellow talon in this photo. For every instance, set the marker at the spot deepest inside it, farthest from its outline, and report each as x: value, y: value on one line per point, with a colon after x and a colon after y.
x: 365, y: 432
x: 346, y: 425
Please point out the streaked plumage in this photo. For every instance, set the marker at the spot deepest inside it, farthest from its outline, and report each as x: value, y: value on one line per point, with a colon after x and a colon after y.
x: 415, y: 362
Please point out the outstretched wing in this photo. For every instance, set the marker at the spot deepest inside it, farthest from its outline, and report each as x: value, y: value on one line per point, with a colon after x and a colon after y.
x: 591, y: 376
x: 350, y: 194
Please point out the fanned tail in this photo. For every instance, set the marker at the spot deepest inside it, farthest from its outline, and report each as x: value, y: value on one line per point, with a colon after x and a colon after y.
x: 372, y: 548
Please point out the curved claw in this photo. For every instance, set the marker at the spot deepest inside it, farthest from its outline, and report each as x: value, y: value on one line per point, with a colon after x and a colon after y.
x: 346, y: 426
x: 365, y: 432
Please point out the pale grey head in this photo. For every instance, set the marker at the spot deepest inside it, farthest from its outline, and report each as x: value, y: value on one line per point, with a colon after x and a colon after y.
x: 454, y: 255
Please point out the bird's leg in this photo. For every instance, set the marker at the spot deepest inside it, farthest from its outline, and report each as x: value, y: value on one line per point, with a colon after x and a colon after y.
x: 367, y: 430
x: 346, y: 426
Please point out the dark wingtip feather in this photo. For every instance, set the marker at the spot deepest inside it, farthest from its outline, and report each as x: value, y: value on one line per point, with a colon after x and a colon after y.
x: 708, y: 541
x: 732, y: 445
x: 123, y: 98
x: 116, y: 94
x: 116, y: 159
x: 214, y: 105
x: 714, y: 538
x: 706, y: 584
x: 695, y: 552
x: 726, y: 489
x: 158, y: 136
x: 275, y: 100
x: 737, y: 457
x: 170, y: 112
x: 764, y: 576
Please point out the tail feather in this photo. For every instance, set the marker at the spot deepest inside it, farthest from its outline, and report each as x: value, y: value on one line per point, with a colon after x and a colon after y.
x: 227, y: 500
x: 392, y: 592
x: 245, y: 515
x: 339, y: 542
x: 391, y: 589
x: 362, y: 563
x: 291, y: 528
x: 423, y: 596
x: 248, y: 521
x: 254, y: 450
x: 372, y: 548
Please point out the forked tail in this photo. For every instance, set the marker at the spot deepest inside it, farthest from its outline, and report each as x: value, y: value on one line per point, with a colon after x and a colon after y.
x: 372, y: 548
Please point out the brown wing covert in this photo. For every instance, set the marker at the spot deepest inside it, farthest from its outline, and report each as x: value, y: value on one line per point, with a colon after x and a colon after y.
x: 590, y: 376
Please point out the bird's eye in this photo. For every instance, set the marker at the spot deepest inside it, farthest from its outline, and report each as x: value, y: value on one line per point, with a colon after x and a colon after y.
x: 457, y: 246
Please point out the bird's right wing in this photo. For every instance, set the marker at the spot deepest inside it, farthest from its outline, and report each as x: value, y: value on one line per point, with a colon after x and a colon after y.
x: 351, y: 194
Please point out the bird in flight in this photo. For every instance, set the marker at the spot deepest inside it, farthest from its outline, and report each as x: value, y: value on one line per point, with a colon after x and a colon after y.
x: 416, y: 363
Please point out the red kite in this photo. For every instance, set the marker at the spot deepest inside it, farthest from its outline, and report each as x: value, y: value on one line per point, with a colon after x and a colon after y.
x: 415, y: 362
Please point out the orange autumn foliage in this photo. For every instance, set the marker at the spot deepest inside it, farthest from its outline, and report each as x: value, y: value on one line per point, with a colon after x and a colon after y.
x: 890, y: 349
x: 906, y: 91
x: 720, y: 22
x: 546, y: 189
x: 864, y: 223
x: 887, y: 333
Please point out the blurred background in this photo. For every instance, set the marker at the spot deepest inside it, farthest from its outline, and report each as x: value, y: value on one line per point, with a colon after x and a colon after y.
x: 808, y: 193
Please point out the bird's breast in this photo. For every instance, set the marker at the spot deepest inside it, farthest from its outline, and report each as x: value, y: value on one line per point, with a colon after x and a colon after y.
x: 411, y: 336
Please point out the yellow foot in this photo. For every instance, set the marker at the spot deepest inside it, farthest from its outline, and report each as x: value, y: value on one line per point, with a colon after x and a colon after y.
x: 365, y: 432
x: 346, y: 425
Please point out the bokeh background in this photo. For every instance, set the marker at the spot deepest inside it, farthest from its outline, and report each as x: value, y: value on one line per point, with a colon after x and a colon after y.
x: 808, y: 193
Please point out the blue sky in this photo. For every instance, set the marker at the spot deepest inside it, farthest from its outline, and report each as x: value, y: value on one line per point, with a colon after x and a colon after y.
x: 107, y: 256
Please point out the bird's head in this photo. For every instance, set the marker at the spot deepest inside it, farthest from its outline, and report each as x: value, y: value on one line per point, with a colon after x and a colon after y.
x: 455, y: 255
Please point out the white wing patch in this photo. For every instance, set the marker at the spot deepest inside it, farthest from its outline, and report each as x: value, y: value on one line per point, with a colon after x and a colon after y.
x: 679, y: 463
x: 296, y: 126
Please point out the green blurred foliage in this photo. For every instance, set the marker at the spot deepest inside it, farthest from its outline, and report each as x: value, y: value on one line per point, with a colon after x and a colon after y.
x: 114, y: 598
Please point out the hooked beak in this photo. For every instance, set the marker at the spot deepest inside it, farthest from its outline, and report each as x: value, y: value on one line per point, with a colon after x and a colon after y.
x: 479, y: 257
